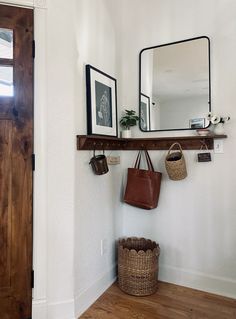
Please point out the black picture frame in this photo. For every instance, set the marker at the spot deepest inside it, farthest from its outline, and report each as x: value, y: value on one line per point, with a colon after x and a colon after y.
x: 101, y: 90
x: 144, y: 112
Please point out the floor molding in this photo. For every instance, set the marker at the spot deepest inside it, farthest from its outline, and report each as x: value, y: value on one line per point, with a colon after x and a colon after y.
x: 55, y: 310
x: 86, y: 298
x: 198, y: 280
x: 39, y: 309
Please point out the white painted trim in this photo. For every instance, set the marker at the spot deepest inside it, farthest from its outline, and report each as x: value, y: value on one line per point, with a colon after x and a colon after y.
x: 56, y: 310
x: 39, y: 309
x: 86, y: 298
x: 61, y: 310
x: 40, y: 174
x: 198, y: 280
x: 42, y: 4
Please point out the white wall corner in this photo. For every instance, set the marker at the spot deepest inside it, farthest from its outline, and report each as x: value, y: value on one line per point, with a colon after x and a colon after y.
x: 86, y: 298
x: 198, y: 280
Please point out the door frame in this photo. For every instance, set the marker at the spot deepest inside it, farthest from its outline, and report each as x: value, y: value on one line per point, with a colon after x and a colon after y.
x: 40, y: 149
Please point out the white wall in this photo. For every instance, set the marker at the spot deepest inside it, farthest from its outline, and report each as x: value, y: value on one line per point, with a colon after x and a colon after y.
x: 176, y: 113
x: 81, y: 209
x: 61, y: 87
x: 97, y: 198
x: 195, y: 221
x: 55, y: 161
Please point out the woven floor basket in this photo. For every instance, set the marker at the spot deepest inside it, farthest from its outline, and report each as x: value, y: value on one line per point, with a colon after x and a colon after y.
x: 138, y: 266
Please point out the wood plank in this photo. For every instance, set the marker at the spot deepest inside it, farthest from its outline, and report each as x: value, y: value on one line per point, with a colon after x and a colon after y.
x: 91, y: 142
x: 5, y: 201
x: 170, y: 302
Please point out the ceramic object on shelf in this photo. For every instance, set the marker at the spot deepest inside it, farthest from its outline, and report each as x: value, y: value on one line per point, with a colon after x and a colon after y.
x: 126, y: 134
x: 203, y: 132
x: 219, y: 129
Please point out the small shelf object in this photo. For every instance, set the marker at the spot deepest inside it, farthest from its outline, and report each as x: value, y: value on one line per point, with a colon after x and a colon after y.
x: 95, y: 142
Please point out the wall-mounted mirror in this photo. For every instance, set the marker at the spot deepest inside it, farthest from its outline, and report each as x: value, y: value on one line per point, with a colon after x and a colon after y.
x: 174, y: 85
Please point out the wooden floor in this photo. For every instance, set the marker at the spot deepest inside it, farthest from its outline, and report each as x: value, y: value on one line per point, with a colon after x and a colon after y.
x: 170, y: 302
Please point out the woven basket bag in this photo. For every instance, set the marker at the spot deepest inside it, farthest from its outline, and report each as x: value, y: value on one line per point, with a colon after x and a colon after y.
x: 175, y: 164
x: 138, y: 266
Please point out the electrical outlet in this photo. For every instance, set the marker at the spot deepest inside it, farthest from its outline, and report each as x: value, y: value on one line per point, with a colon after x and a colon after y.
x: 218, y: 146
x: 103, y: 246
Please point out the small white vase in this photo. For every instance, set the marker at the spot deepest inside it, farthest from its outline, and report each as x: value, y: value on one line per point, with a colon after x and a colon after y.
x: 126, y: 134
x: 219, y: 129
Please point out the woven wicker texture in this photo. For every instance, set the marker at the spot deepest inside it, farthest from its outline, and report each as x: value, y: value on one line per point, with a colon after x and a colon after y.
x: 138, y: 266
x: 175, y: 164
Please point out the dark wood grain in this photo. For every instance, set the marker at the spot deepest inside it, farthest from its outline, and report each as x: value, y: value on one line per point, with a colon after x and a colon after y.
x: 170, y: 302
x: 16, y: 129
x: 91, y: 142
x: 5, y: 202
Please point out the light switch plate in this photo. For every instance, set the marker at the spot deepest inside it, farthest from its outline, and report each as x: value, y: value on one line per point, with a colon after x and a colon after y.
x: 218, y: 146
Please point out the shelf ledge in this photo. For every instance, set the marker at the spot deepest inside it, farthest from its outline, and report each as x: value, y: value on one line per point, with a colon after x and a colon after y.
x: 91, y: 142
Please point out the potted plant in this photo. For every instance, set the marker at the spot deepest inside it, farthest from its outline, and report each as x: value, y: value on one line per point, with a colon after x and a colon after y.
x: 127, y: 120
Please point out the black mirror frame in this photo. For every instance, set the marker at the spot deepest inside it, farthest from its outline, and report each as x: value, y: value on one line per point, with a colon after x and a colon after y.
x: 140, y: 76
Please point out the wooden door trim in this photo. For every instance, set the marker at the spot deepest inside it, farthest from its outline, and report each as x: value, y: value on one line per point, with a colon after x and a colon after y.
x: 41, y: 4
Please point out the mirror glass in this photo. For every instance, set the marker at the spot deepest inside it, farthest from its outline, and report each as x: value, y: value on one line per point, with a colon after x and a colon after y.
x: 174, y: 86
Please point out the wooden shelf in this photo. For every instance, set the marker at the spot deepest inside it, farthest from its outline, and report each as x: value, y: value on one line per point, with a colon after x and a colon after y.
x: 91, y: 142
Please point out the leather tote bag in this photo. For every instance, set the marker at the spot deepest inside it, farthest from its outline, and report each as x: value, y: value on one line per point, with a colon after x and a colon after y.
x: 143, y: 186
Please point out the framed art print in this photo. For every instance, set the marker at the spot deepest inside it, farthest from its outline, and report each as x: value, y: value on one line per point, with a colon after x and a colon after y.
x: 197, y: 123
x: 145, y: 112
x: 101, y: 103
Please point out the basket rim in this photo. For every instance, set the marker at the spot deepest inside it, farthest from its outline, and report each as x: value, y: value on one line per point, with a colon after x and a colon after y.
x: 140, y: 252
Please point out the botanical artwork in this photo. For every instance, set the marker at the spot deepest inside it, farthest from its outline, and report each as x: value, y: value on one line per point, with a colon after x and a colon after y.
x: 197, y: 123
x: 103, y: 104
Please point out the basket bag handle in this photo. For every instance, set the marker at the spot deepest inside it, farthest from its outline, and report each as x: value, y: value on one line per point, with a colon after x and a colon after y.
x: 173, y: 145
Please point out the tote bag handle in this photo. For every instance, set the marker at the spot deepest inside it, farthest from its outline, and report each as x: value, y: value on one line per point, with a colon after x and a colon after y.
x: 148, y: 160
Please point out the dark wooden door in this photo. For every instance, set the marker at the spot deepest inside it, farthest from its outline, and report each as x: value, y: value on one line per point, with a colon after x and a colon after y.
x: 16, y: 148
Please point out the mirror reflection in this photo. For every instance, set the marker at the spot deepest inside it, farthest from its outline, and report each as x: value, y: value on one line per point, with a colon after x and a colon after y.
x: 175, y: 85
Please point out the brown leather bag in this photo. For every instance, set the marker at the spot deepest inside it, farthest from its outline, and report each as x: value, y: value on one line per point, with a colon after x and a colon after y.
x: 143, y: 186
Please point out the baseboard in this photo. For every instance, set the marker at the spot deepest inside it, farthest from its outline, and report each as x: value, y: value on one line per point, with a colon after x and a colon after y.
x: 86, y: 298
x: 197, y: 280
x: 39, y: 309
x: 58, y: 310
x: 62, y: 310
